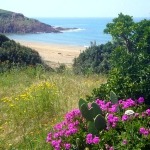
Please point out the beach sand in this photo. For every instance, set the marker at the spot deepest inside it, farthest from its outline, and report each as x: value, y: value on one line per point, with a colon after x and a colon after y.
x: 53, y: 54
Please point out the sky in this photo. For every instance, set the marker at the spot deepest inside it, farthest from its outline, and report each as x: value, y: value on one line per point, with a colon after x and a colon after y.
x: 78, y: 8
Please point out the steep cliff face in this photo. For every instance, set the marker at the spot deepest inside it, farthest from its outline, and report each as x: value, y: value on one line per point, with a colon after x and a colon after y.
x: 11, y: 22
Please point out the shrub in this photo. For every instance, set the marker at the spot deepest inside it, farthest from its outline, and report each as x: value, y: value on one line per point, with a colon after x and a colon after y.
x: 130, y: 61
x: 94, y: 59
x: 17, y: 54
x: 127, y: 121
x: 13, y: 54
x: 3, y: 39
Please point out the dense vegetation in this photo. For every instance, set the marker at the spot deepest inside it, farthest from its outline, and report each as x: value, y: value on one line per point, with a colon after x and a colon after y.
x: 130, y: 61
x: 13, y: 54
x: 126, y: 59
x: 94, y: 59
x: 32, y: 99
x: 93, y: 125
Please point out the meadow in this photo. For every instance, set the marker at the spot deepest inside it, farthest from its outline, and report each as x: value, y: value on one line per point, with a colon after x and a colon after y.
x: 32, y: 100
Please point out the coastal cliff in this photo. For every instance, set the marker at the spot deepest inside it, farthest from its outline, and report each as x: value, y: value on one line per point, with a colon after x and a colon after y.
x: 11, y: 22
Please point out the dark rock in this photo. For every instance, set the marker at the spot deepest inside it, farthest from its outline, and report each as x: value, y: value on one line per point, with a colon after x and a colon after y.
x: 11, y: 22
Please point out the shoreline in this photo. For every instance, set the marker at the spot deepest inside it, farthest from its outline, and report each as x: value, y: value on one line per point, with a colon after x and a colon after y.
x: 54, y: 54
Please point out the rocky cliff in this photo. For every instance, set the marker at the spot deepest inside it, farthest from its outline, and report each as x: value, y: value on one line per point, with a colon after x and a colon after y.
x: 11, y: 22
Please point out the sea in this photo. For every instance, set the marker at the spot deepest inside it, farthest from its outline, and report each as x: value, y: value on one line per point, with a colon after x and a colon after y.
x: 88, y: 30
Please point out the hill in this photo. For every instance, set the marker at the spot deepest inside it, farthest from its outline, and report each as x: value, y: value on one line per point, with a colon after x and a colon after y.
x: 11, y: 22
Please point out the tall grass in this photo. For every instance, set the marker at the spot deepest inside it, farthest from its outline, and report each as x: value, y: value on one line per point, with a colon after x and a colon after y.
x: 32, y: 100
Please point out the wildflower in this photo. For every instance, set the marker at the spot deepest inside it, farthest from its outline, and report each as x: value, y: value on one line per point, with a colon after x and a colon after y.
x: 58, y: 126
x: 96, y: 140
x: 136, y: 115
x: 143, y: 114
x: 102, y: 104
x: 113, y: 109
x: 67, y: 146
x: 148, y: 112
x: 140, y: 100
x: 107, y: 146
x: 144, y: 131
x: 49, y: 137
x: 129, y: 112
x: 124, y: 142
x: 56, y: 144
x: 111, y: 148
x: 112, y: 120
x: 125, y: 117
x: 89, y: 139
x: 128, y: 103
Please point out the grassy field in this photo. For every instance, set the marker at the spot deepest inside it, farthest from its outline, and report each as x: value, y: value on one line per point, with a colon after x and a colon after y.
x: 33, y: 100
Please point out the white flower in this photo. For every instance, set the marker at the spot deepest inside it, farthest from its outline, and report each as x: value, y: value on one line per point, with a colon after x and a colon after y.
x: 129, y: 112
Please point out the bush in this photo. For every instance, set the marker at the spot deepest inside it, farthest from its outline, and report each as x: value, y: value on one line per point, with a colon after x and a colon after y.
x: 3, y: 39
x: 130, y: 61
x: 94, y: 59
x: 13, y: 54
x: 128, y: 125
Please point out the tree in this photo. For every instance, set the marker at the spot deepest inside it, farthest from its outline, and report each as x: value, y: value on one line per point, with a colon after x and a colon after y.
x: 131, y: 35
x: 130, y: 60
x: 121, y: 30
x: 94, y: 59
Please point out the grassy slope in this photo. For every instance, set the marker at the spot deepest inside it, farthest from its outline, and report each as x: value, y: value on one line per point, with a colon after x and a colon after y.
x: 32, y: 100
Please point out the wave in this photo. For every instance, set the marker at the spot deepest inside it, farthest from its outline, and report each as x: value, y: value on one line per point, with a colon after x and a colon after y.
x: 73, y: 30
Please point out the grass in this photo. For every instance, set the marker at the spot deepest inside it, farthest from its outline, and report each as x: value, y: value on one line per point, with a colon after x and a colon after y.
x: 32, y: 101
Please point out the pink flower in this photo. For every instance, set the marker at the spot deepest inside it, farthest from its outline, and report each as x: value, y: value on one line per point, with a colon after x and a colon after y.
x: 148, y: 112
x: 91, y: 140
x: 144, y: 131
x: 124, y: 142
x: 67, y: 146
x: 96, y: 140
x: 111, y: 148
x: 140, y: 100
x: 125, y: 117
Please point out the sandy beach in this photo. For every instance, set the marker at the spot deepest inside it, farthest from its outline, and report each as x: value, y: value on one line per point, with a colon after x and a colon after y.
x: 54, y: 54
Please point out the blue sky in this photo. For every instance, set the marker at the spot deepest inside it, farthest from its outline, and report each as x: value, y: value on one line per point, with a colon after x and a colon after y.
x: 78, y: 8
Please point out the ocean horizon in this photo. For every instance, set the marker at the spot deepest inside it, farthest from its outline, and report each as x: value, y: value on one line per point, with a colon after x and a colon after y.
x: 88, y: 30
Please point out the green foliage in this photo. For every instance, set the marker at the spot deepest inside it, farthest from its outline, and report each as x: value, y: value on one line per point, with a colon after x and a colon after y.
x: 130, y: 61
x: 100, y: 122
x: 61, y: 68
x: 94, y: 59
x: 122, y: 29
x: 94, y: 116
x: 13, y: 54
x: 3, y: 38
x: 127, y: 129
x: 113, y: 97
x: 86, y: 112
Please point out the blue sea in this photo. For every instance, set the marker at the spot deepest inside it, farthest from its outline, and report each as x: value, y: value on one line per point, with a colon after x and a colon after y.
x: 89, y: 30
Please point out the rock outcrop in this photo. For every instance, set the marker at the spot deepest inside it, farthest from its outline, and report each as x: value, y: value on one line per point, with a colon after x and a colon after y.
x: 11, y: 22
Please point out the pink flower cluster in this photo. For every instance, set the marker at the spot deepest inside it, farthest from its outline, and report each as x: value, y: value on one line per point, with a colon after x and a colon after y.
x: 109, y: 147
x: 91, y: 140
x: 124, y: 104
x: 144, y: 131
x: 60, y: 137
x: 63, y: 130
x: 112, y: 121
x: 107, y: 106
